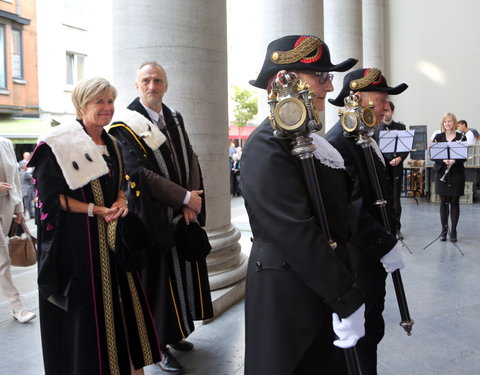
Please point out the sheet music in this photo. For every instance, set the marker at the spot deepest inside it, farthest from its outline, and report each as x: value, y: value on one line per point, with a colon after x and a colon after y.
x: 395, y: 141
x: 448, y: 150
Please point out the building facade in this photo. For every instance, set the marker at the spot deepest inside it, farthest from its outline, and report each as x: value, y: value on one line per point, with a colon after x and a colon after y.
x: 74, y: 42
x: 18, y: 59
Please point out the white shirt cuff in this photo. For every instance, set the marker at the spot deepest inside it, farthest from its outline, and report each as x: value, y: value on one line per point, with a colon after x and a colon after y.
x: 187, y: 198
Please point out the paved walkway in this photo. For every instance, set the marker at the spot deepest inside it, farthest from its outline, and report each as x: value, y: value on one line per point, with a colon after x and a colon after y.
x: 442, y: 288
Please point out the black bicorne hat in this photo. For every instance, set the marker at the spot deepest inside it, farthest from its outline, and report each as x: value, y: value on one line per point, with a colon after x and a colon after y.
x: 298, y: 52
x: 370, y: 79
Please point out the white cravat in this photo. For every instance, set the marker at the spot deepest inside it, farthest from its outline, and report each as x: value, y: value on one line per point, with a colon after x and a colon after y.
x: 375, y: 148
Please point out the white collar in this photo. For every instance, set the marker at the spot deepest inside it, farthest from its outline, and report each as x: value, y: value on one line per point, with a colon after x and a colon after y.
x: 376, y: 149
x: 142, y: 127
x: 152, y: 114
x: 326, y: 153
x: 79, y: 158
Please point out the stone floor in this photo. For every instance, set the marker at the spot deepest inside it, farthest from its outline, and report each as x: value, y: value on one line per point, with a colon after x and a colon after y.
x: 441, y: 284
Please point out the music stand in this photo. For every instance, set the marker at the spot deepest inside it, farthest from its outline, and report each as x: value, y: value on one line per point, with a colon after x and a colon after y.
x: 448, y: 151
x: 393, y: 142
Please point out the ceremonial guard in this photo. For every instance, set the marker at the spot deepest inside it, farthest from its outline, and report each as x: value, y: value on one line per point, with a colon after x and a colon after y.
x: 373, y: 249
x: 295, y: 279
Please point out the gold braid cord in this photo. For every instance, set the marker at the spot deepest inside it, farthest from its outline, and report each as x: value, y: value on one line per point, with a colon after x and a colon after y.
x: 120, y: 161
x: 305, y: 47
x: 372, y: 76
x: 106, y: 282
x: 111, y: 239
x: 142, y: 328
x: 112, y: 234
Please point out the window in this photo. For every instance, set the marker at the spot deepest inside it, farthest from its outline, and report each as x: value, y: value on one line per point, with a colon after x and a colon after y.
x: 74, y: 14
x: 3, y: 72
x: 75, y: 67
x: 17, y: 54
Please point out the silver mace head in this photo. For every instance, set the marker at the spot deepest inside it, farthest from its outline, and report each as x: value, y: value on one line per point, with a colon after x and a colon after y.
x: 292, y: 109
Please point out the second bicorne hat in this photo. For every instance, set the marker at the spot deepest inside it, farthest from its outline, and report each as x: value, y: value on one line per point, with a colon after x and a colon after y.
x: 370, y: 79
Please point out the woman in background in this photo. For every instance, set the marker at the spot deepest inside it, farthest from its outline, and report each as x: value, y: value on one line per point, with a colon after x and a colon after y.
x: 452, y: 186
x: 94, y: 316
x: 10, y: 204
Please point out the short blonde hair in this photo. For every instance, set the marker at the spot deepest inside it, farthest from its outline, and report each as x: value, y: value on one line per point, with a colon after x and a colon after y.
x: 88, y: 89
x: 452, y: 116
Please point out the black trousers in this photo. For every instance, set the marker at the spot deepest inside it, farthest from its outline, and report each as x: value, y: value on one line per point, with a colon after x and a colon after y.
x: 371, y: 277
x: 323, y: 358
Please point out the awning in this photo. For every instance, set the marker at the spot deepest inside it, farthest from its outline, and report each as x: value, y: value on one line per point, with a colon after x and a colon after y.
x: 23, y: 130
x: 240, y: 132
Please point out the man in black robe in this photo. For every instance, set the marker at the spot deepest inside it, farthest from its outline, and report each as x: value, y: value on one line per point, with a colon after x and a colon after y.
x: 166, y: 192
x: 295, y: 281
x: 372, y: 250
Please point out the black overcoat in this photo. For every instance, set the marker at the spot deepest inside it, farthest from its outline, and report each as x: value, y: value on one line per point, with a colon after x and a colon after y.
x: 294, y: 281
x: 370, y: 239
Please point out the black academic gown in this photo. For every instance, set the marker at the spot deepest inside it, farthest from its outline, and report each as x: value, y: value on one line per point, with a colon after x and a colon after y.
x: 294, y: 280
x: 370, y: 240
x: 92, y: 312
x: 178, y: 290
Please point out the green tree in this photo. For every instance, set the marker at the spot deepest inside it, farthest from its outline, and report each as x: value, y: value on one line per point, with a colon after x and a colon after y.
x: 246, y: 106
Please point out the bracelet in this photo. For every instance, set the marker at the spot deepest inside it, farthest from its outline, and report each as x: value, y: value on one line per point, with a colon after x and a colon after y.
x: 90, y: 209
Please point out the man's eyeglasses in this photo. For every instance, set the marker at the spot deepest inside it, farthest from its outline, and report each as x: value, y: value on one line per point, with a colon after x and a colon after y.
x: 322, y: 76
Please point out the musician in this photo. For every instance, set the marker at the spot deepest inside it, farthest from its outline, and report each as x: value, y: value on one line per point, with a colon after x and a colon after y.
x: 471, y: 135
x: 295, y: 280
x: 449, y: 185
x: 394, y: 163
x: 373, y: 250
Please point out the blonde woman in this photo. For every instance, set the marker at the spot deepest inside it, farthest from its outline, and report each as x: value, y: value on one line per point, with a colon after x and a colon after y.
x: 452, y: 186
x: 93, y: 314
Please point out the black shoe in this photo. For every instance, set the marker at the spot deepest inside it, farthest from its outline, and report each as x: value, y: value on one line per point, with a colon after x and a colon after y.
x: 443, y: 237
x: 453, y: 236
x: 169, y: 363
x: 400, y: 236
x: 182, y: 345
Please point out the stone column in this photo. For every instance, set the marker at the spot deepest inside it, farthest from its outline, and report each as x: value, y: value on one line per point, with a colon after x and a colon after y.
x: 189, y: 40
x: 373, y: 34
x: 281, y: 18
x: 343, y: 34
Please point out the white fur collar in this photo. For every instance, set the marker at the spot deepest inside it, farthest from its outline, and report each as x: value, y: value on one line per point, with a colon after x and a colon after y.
x: 80, y: 159
x: 142, y: 127
x: 326, y: 153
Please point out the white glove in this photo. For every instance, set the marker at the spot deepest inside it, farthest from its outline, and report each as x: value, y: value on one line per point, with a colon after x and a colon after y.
x: 393, y: 260
x: 349, y: 330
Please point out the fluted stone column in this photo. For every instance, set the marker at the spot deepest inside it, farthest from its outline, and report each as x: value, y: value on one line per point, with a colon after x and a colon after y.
x: 373, y: 34
x: 188, y: 39
x: 343, y: 34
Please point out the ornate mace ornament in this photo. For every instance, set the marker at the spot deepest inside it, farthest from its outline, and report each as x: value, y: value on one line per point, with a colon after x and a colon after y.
x: 357, y: 120
x: 292, y: 109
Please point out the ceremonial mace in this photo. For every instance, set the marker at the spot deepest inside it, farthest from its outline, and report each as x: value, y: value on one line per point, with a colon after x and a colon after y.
x: 293, y: 115
x: 359, y: 122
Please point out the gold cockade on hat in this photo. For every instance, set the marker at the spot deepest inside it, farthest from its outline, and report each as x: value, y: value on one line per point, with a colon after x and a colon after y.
x: 305, y: 47
x: 372, y: 75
